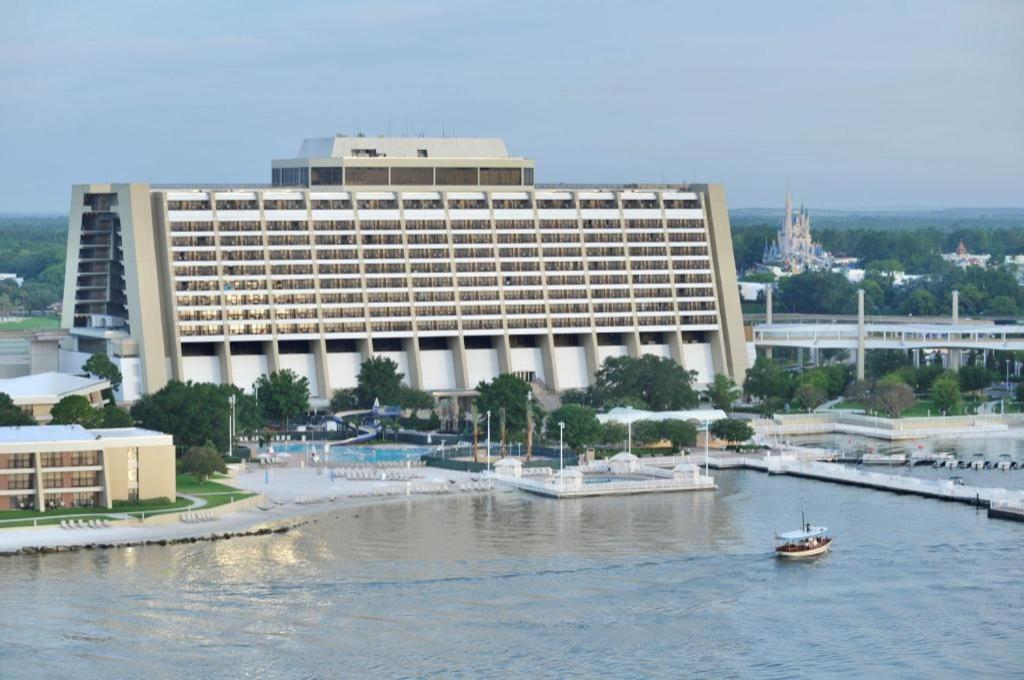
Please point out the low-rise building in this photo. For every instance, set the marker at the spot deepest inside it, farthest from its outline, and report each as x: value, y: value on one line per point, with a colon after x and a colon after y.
x: 37, y: 394
x: 48, y: 467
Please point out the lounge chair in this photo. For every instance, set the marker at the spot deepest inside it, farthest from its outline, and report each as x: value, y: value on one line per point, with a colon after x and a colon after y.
x: 64, y: 524
x: 106, y: 524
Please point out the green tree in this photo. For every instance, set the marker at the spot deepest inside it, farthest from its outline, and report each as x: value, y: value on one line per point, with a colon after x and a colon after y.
x: 732, y: 430
x: 809, y: 396
x: 892, y: 396
x: 202, y: 462
x: 510, y: 392
x: 282, y: 394
x: 919, y: 303
x: 680, y: 432
x: 112, y: 416
x: 766, y: 378
x: 658, y: 383
x: 196, y: 413
x: 817, y: 292
x: 946, y: 393
x: 975, y: 378
x: 416, y: 400
x: 613, y: 434
x: 582, y: 428
x: 379, y: 379
x: 100, y: 365
x: 1003, y: 305
x: 722, y: 392
x: 344, y: 399
x: 75, y: 410
x: 11, y: 415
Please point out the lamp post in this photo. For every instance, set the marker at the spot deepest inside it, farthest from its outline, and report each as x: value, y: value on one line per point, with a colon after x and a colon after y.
x: 707, y: 437
x: 488, y: 442
x: 231, y: 426
x: 629, y: 429
x: 561, y: 438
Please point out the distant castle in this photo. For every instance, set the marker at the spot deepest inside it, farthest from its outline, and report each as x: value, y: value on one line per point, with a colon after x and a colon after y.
x: 793, y: 250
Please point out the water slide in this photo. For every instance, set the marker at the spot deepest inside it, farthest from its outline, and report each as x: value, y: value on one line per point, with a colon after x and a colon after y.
x: 365, y: 432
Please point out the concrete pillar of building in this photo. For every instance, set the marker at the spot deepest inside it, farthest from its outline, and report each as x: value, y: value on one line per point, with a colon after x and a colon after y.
x: 40, y: 498
x: 273, y: 356
x: 412, y: 355
x: 365, y: 348
x: 633, y: 343
x: 768, y: 313
x: 861, y: 340
x: 457, y: 346
x: 800, y: 359
x: 227, y: 373
x: 955, y: 355
x: 504, y: 354
x: 105, y: 498
x: 547, y: 353
x: 917, y: 357
x: 675, y: 347
x: 593, y: 358
x: 323, y: 373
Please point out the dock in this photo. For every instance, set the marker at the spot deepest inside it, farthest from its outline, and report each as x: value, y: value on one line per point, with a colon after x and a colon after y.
x: 1002, y: 503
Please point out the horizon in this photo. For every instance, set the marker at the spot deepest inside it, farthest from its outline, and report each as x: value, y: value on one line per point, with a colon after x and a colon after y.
x: 854, y: 106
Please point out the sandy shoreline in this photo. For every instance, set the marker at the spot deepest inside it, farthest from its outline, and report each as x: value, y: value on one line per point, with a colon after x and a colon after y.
x: 286, y: 485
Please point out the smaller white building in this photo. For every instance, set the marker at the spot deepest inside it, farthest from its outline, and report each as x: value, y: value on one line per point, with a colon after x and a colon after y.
x: 632, y: 415
x: 37, y: 394
x: 624, y: 463
x: 509, y: 467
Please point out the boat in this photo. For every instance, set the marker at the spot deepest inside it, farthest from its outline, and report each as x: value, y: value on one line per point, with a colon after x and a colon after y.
x: 1004, y: 462
x: 881, y: 459
x: 807, y: 541
x: 951, y: 463
x: 978, y: 461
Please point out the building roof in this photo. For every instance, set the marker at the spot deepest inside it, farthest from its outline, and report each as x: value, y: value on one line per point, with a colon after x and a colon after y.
x: 35, y: 434
x: 44, y: 433
x: 402, y: 147
x: 49, y: 387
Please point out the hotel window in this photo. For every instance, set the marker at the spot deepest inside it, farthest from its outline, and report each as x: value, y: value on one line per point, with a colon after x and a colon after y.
x: 325, y: 176
x: 456, y: 176
x: 501, y: 176
x: 366, y: 176
x: 412, y: 176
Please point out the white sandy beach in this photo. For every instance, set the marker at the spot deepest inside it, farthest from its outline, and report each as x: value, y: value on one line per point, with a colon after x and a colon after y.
x: 286, y: 484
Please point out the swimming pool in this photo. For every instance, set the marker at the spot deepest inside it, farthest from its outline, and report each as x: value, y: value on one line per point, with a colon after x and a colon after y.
x: 374, y: 454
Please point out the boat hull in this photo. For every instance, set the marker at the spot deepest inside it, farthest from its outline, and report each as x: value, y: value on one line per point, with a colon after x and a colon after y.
x: 809, y: 552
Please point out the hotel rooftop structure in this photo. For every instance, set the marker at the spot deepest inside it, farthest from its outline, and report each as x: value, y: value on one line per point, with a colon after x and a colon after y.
x: 441, y: 254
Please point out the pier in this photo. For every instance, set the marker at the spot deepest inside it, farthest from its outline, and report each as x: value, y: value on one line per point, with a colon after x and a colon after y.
x: 1002, y: 503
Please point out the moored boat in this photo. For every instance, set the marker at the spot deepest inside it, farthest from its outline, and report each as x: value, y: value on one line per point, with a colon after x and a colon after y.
x: 881, y: 459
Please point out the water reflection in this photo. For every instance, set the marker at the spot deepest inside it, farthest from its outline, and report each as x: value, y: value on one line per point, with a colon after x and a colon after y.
x: 659, y: 585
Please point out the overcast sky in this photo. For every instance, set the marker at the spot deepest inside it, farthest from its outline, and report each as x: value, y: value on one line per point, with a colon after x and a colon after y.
x: 857, y: 104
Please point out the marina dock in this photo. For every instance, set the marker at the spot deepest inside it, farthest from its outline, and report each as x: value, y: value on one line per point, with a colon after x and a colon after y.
x: 1002, y: 503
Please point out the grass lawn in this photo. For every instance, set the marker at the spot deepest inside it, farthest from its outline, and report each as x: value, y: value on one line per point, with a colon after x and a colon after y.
x: 31, y: 323
x: 30, y: 517
x: 922, y: 409
x: 188, y: 484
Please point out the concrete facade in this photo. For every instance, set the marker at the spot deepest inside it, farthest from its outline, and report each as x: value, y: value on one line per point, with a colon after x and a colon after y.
x: 48, y: 467
x: 456, y: 282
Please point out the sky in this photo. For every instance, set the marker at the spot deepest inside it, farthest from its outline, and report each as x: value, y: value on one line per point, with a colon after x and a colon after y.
x: 854, y: 104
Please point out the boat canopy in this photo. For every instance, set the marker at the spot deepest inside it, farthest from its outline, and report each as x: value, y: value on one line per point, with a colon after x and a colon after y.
x: 812, y: 532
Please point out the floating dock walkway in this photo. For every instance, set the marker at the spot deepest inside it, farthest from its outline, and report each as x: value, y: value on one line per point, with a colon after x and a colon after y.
x: 1002, y: 503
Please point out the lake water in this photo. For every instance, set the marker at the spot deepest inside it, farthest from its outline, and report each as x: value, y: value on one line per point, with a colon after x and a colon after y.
x: 663, y: 585
x: 667, y: 585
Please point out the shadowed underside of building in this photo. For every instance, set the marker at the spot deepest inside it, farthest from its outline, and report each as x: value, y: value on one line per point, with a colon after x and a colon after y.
x: 440, y: 254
